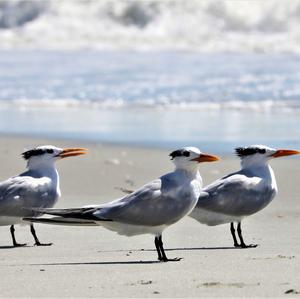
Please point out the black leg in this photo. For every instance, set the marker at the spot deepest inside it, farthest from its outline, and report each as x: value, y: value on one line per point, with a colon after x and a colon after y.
x: 161, y: 246
x: 156, y: 242
x: 37, y: 241
x: 232, y: 230
x: 12, y: 231
x: 162, y: 255
x: 243, y: 245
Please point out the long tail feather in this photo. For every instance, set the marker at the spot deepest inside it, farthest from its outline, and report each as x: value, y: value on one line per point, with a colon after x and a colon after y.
x: 61, y: 212
x: 79, y: 213
x: 61, y: 221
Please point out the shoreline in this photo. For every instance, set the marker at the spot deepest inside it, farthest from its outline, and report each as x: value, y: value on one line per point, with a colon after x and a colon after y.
x: 92, y: 142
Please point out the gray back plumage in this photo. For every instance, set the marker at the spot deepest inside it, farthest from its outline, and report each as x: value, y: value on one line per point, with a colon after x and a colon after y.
x: 234, y: 195
x: 25, y: 191
x: 163, y: 201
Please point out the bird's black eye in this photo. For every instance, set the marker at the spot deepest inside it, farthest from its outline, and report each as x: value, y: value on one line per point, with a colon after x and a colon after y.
x: 262, y: 151
x: 180, y: 153
x: 186, y: 153
x: 50, y: 151
x: 247, y: 151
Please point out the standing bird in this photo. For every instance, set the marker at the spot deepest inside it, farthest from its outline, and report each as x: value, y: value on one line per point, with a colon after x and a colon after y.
x: 242, y: 193
x: 150, y: 209
x: 38, y: 187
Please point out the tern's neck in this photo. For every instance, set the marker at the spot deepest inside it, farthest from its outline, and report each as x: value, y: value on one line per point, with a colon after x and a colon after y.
x: 265, y: 172
x: 252, y: 163
x: 36, y: 164
x: 261, y: 169
x: 40, y: 169
x: 44, y: 169
x: 192, y: 172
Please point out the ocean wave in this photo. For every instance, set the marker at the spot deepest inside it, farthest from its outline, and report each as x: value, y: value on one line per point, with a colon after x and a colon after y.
x: 254, y: 106
x: 207, y: 25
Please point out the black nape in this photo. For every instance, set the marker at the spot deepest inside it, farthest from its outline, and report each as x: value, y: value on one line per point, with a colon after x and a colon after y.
x: 180, y: 153
x: 36, y: 152
x: 247, y: 151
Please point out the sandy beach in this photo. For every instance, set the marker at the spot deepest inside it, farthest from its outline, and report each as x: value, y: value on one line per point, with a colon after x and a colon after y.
x: 94, y: 262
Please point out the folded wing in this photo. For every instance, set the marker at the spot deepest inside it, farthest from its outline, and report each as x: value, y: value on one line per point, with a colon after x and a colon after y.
x: 18, y: 194
x: 237, y: 195
x: 151, y: 205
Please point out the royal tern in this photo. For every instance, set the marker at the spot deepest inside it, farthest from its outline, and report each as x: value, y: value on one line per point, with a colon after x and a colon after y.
x: 37, y: 187
x: 150, y: 209
x: 242, y: 193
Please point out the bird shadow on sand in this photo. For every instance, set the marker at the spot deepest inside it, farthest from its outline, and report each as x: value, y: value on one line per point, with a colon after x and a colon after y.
x: 97, y: 263
x: 17, y: 247
x: 174, y: 249
x: 202, y: 248
x: 7, y: 247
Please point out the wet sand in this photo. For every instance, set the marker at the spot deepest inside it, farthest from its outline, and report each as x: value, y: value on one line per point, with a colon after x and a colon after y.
x: 94, y: 262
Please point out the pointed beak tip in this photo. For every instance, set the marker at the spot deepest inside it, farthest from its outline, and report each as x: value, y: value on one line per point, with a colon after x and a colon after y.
x: 207, y: 158
x: 284, y: 152
x: 72, y: 152
x: 215, y: 159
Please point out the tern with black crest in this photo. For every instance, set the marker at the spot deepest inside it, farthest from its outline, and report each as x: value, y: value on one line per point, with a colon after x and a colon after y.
x: 150, y: 209
x: 37, y: 187
x: 242, y: 193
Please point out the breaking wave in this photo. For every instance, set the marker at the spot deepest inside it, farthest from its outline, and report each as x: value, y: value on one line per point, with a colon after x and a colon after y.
x: 207, y: 25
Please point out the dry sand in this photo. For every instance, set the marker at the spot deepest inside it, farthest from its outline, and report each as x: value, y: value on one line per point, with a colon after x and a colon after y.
x: 94, y: 262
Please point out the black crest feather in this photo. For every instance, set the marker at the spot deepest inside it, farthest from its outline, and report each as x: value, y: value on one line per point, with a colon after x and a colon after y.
x: 247, y: 151
x: 33, y: 152
x: 180, y: 153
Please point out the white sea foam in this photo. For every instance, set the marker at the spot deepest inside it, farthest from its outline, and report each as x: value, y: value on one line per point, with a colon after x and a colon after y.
x: 254, y: 106
x: 206, y: 25
x: 158, y: 80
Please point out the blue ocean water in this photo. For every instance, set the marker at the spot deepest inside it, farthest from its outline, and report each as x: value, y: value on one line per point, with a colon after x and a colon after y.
x: 154, y: 98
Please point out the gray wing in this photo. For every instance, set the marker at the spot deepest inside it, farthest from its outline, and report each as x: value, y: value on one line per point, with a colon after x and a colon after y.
x: 157, y: 203
x: 163, y: 201
x: 235, y: 195
x: 20, y: 193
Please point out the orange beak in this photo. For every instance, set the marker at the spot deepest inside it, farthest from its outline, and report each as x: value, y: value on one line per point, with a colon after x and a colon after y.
x: 283, y: 152
x: 71, y: 152
x: 206, y: 158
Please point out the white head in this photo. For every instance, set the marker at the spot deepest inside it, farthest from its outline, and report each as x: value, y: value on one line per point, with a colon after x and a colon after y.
x: 188, y: 158
x: 46, y: 155
x: 259, y: 155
